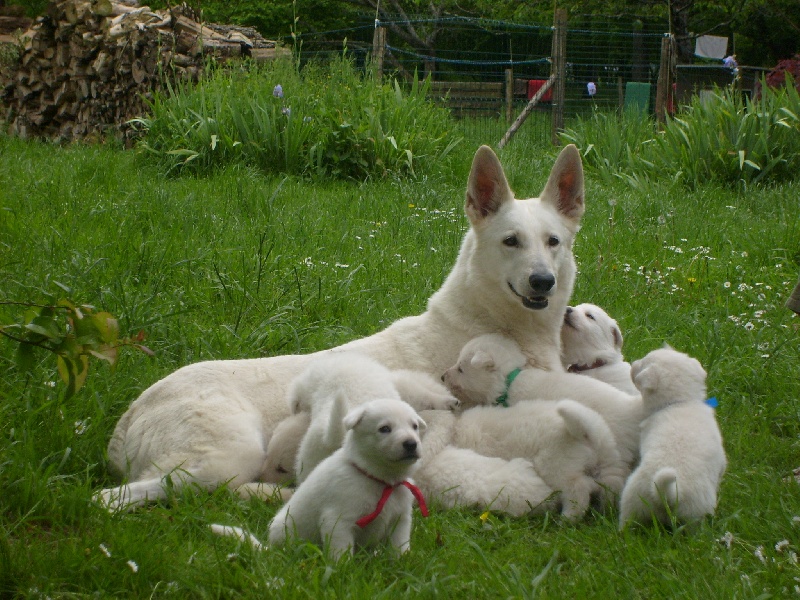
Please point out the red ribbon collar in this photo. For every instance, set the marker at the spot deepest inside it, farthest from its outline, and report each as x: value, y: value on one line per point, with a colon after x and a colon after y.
x: 387, y: 491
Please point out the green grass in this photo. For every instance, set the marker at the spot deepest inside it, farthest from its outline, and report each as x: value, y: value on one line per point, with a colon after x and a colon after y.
x: 238, y: 264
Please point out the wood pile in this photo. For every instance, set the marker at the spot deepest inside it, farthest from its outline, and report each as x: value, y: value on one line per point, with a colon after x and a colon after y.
x: 86, y: 67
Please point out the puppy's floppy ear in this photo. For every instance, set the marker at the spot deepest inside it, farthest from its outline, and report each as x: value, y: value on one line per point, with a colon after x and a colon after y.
x: 564, y: 187
x: 482, y: 360
x: 487, y: 187
x: 421, y: 424
x: 646, y: 379
x: 616, y: 335
x: 353, y: 418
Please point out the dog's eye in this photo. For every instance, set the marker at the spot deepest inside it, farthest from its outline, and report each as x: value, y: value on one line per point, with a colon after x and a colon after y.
x: 415, y: 426
x: 590, y: 316
x: 385, y: 429
x: 511, y: 241
x: 281, y: 470
x: 553, y: 241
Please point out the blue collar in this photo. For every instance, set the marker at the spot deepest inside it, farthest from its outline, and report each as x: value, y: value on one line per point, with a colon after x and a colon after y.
x: 502, y: 399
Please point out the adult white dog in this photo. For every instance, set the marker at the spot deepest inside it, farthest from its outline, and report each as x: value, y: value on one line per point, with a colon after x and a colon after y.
x: 360, y: 495
x: 210, y: 422
x: 492, y: 368
x: 683, y: 459
x: 591, y: 344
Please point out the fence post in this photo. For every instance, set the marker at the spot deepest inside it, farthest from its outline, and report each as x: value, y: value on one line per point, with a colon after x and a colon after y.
x: 665, y: 79
x: 378, y: 48
x: 509, y: 94
x: 559, y: 56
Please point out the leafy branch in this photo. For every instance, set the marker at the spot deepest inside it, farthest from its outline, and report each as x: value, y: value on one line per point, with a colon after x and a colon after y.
x: 73, y: 332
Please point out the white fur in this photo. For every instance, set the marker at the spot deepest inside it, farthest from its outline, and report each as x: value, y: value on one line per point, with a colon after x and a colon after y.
x: 339, y: 381
x: 383, y: 441
x: 281, y: 454
x: 683, y: 459
x: 591, y: 344
x: 479, y: 377
x: 570, y: 446
x: 210, y: 422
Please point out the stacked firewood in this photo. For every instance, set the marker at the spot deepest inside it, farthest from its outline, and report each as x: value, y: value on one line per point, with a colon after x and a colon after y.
x: 87, y: 67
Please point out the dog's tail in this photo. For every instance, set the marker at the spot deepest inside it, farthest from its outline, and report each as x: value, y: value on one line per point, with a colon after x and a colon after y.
x: 665, y: 482
x: 585, y: 424
x: 334, y: 436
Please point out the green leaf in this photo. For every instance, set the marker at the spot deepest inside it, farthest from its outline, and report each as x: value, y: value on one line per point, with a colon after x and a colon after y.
x: 25, y: 358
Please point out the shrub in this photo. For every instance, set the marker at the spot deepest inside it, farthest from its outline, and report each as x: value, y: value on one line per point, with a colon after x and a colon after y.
x: 722, y: 137
x: 326, y: 120
x: 777, y: 77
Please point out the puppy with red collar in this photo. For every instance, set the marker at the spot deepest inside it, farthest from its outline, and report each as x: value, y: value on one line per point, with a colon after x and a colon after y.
x: 361, y: 495
x: 591, y: 344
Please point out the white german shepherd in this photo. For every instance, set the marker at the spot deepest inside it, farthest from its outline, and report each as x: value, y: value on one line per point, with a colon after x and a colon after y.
x: 209, y: 423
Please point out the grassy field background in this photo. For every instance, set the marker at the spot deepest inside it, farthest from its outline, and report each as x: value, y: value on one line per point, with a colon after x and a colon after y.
x: 238, y: 264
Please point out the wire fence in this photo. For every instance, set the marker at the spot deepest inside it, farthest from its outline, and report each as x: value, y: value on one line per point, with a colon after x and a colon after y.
x: 488, y: 70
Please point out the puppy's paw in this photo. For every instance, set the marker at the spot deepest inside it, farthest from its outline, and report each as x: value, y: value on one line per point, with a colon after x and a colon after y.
x: 447, y: 402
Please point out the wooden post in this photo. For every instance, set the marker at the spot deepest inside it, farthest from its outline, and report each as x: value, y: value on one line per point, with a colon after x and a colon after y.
x: 378, y: 49
x: 509, y: 94
x: 620, y: 93
x: 665, y: 79
x: 559, y: 58
x: 526, y: 111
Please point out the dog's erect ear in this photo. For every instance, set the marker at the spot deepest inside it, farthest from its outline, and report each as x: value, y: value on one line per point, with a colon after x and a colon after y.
x: 487, y: 188
x: 564, y: 188
x: 353, y: 418
x: 482, y: 360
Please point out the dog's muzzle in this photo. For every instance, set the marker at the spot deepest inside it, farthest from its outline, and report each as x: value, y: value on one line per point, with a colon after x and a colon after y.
x: 541, y: 285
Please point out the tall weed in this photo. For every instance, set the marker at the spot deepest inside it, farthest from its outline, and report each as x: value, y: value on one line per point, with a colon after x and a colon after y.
x: 721, y: 136
x: 326, y: 120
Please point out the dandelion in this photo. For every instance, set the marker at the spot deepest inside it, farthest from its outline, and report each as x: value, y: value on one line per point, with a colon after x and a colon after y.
x: 485, y: 517
x: 105, y: 550
x: 726, y: 285
x: 749, y: 326
x: 691, y: 280
x: 410, y: 206
x: 277, y: 91
x: 80, y: 427
x: 662, y: 220
x: 133, y: 566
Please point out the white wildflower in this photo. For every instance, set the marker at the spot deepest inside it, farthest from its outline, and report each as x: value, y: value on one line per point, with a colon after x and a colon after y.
x: 133, y: 566
x: 781, y: 545
x: 726, y: 285
x: 749, y: 326
x: 105, y: 550
x: 759, y: 552
x: 726, y: 539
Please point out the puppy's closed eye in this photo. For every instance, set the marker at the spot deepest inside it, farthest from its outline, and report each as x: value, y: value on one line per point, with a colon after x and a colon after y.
x: 590, y: 316
x: 385, y: 429
x: 281, y: 470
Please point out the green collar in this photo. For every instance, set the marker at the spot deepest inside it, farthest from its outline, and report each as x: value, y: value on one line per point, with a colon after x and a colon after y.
x: 502, y: 399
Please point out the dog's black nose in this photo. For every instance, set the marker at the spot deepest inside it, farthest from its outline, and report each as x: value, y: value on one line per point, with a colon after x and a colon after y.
x: 409, y: 446
x: 541, y: 282
x: 569, y: 310
x: 442, y: 377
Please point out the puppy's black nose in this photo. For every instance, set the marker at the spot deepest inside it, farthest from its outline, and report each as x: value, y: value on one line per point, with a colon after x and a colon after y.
x: 569, y: 310
x: 442, y: 377
x: 541, y: 282
x: 409, y: 446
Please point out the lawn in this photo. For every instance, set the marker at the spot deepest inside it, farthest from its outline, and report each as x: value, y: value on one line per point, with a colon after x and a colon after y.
x: 240, y: 264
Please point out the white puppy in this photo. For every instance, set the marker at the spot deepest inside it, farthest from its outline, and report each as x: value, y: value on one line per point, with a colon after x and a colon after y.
x: 682, y: 455
x: 492, y: 369
x: 360, y: 495
x: 570, y: 446
x: 333, y: 384
x: 281, y: 455
x: 591, y: 344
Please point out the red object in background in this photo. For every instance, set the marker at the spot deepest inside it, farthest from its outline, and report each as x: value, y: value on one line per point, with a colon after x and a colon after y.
x: 533, y: 87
